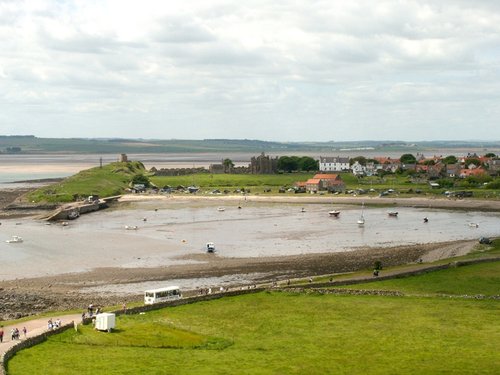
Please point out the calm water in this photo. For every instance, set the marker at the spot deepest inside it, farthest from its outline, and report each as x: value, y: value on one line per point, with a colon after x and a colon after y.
x: 174, y: 230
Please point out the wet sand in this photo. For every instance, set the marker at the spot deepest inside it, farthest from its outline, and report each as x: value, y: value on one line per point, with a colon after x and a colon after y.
x: 127, y: 272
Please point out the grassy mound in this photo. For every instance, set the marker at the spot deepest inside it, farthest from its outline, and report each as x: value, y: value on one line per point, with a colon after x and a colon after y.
x: 109, y: 180
x: 142, y: 331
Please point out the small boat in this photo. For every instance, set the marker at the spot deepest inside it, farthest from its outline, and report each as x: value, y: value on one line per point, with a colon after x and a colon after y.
x: 303, y: 209
x: 361, y: 220
x: 15, y: 239
x: 221, y: 209
x: 64, y: 223
x: 474, y: 225
x: 393, y: 213
x: 334, y: 213
x: 426, y: 220
x: 210, y: 247
x: 131, y: 227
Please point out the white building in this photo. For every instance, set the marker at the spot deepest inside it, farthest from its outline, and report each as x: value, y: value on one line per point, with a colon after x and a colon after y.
x: 358, y: 169
x: 333, y: 164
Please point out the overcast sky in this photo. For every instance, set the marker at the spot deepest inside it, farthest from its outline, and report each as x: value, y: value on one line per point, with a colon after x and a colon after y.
x: 300, y: 70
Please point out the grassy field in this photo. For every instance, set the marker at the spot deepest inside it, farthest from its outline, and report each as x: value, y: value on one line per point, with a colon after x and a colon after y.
x: 481, y: 278
x: 286, y: 333
x: 107, y: 181
x: 256, y: 183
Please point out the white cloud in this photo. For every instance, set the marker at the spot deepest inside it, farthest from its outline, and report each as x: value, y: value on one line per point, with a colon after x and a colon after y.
x: 279, y: 70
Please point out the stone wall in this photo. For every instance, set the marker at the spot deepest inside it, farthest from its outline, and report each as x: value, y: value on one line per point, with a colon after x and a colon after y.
x: 395, y: 276
x: 28, y: 343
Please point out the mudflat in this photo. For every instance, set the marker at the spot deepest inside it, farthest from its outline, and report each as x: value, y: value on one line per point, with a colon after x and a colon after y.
x: 63, y: 290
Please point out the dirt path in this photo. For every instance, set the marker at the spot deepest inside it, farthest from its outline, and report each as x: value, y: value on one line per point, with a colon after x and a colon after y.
x: 34, y: 327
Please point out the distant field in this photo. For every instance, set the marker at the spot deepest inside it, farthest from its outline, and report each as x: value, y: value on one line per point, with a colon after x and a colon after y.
x: 285, y: 333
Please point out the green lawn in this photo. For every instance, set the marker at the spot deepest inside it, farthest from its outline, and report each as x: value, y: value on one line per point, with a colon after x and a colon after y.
x: 481, y: 278
x: 284, y: 333
x: 256, y: 183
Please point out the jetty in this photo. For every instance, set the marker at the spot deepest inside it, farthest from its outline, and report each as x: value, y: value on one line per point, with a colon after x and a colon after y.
x: 73, y: 210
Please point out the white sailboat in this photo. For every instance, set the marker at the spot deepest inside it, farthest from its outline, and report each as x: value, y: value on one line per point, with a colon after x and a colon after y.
x: 361, y: 220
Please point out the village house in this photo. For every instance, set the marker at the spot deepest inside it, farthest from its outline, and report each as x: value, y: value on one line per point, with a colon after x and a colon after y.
x: 466, y: 172
x: 325, y: 182
x: 432, y: 171
x: 389, y: 164
x: 370, y: 169
x: 333, y: 164
x: 453, y: 170
x: 358, y: 169
x: 313, y: 185
x: 494, y: 167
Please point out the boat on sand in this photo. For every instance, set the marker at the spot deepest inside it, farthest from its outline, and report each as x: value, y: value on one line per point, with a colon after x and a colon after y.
x: 15, y: 239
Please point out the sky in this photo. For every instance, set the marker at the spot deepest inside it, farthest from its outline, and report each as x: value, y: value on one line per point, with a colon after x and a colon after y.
x: 303, y: 70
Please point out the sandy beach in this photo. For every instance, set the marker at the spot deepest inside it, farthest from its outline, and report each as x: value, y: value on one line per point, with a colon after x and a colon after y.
x: 118, y: 282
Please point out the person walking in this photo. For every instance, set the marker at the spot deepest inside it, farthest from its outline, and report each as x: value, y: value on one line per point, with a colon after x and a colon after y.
x: 25, y: 331
x: 1, y: 334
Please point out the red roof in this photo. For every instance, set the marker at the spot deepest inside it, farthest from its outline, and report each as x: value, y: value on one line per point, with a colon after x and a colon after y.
x: 472, y: 172
x: 313, y: 181
x: 326, y: 176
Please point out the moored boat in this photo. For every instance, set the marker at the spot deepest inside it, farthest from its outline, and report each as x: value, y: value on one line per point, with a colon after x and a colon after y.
x: 210, y: 247
x: 361, y: 220
x: 334, y: 213
x: 392, y: 213
x: 15, y: 239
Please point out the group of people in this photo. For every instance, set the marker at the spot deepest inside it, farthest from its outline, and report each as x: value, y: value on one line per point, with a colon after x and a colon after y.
x: 14, y: 333
x: 92, y: 310
x: 53, y: 324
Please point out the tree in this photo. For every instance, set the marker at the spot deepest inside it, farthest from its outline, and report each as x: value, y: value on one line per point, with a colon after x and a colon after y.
x: 228, y: 165
x: 407, y: 159
x: 288, y: 163
x: 474, y: 161
x: 490, y: 155
x: 450, y: 159
x: 360, y: 159
x: 307, y: 163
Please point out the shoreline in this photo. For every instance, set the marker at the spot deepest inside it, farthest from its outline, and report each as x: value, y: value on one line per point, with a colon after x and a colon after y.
x: 415, y: 202
x: 29, y: 296
x: 63, y: 291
